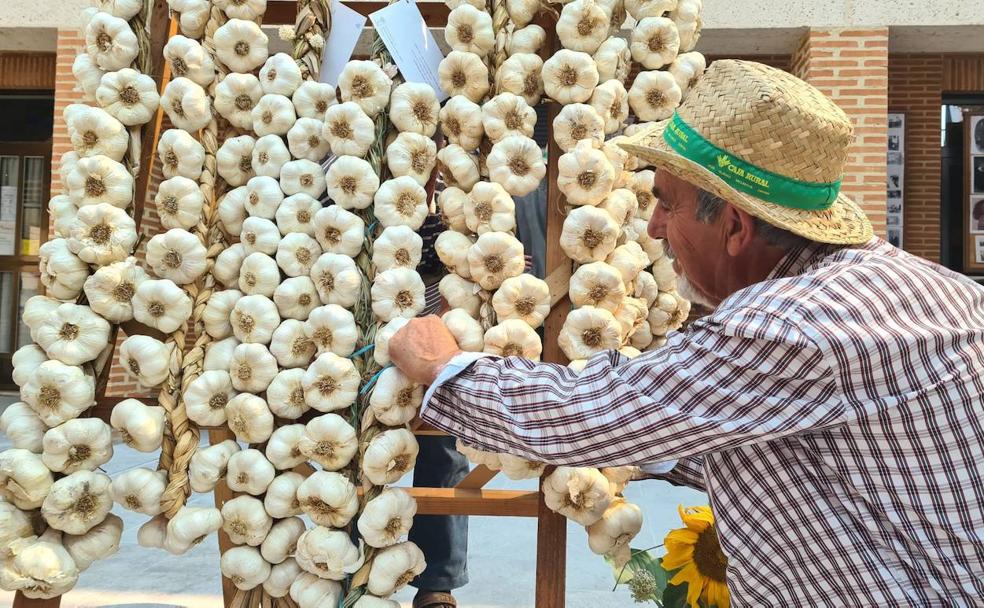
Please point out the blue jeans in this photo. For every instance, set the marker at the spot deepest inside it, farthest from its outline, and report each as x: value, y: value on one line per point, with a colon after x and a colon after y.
x: 442, y: 538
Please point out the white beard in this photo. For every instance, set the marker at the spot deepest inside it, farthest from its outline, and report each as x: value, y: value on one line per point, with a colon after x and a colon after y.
x: 688, y: 292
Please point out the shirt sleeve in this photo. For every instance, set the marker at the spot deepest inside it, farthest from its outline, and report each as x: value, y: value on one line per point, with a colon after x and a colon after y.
x: 685, y: 472
x: 753, y: 377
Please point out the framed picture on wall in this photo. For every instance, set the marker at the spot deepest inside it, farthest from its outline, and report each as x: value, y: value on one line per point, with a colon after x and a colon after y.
x: 977, y: 215
x: 896, y: 177
x: 977, y: 135
x: 974, y: 193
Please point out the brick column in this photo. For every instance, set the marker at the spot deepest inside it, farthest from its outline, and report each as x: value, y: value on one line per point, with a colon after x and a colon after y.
x: 70, y: 43
x: 851, y: 66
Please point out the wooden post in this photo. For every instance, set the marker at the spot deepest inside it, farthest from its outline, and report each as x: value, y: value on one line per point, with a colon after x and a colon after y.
x: 222, y: 493
x: 20, y: 601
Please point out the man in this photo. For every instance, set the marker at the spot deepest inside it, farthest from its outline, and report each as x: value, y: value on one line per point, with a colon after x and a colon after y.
x: 832, y: 405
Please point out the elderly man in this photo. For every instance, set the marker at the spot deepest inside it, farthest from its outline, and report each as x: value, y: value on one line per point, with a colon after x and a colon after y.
x: 832, y: 405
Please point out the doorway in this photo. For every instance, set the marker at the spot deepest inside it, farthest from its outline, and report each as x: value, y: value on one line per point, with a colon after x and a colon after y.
x: 961, y: 231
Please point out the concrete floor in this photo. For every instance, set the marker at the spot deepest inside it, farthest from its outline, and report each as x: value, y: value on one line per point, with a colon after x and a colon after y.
x: 502, y: 557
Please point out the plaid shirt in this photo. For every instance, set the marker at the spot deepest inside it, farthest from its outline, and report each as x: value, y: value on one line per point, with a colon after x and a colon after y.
x: 833, y: 412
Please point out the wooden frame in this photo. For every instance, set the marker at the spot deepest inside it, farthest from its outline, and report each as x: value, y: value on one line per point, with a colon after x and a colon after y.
x: 469, y: 497
x: 971, y: 265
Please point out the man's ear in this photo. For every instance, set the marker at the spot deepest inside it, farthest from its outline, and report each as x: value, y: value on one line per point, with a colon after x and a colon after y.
x: 739, y: 229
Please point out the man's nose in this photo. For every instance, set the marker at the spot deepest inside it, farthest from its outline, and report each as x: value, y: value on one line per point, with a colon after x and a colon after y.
x: 657, y: 222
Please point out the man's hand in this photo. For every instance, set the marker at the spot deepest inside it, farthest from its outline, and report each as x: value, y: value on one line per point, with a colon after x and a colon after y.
x: 421, y: 348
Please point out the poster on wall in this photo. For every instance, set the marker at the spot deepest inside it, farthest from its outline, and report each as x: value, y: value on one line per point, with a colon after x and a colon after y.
x: 974, y: 193
x: 896, y: 177
x: 977, y: 135
x: 8, y: 219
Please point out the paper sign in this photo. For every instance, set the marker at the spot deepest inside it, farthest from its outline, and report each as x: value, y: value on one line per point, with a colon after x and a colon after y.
x: 415, y: 52
x: 8, y: 219
x: 346, y: 27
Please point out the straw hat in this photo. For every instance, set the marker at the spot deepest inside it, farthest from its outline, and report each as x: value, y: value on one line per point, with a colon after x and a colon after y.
x: 768, y: 143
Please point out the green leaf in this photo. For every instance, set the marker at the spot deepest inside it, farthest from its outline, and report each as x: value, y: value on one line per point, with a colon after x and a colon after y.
x: 675, y: 596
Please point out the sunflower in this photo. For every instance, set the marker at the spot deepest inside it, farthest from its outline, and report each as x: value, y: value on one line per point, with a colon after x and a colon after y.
x: 696, y: 552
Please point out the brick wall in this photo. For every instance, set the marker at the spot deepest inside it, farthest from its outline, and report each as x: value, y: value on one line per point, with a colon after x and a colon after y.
x: 851, y: 66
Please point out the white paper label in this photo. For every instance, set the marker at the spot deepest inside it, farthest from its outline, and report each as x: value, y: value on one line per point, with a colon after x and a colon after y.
x: 415, y: 52
x: 346, y: 27
x: 8, y: 219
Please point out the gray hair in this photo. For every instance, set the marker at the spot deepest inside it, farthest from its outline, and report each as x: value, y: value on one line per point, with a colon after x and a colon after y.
x: 709, y: 208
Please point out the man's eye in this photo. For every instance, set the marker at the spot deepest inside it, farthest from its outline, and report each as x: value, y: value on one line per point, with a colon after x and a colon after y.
x: 663, y: 204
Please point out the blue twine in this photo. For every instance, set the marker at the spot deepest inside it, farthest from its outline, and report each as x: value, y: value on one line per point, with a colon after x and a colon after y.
x: 372, y: 380
x: 371, y: 227
x: 364, y: 349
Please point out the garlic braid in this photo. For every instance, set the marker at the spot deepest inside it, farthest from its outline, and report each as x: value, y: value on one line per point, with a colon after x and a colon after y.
x: 311, y: 28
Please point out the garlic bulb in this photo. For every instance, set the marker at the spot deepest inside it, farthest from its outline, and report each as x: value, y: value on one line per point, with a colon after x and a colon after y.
x: 331, y: 328
x: 190, y: 526
x: 490, y: 209
x: 141, y: 426
x: 27, y: 358
x: 458, y: 167
x: 640, y: 9
x: 569, y: 76
x: 285, y: 395
x: 24, y: 479
x: 387, y: 518
x: 583, y: 26
x: 62, y: 212
x: 507, y: 114
x: 312, y: 99
x: 177, y: 255
x: 348, y: 129
x: 219, y: 353
x: 244, y: 567
x: 234, y: 160
x: 329, y: 441
x: 295, y: 298
x: 462, y: 73
x: 245, y: 521
x: 642, y: 184
x: 517, y: 468
x: 337, y: 279
x: 22, y: 427
x: 513, y: 338
x: 98, y: 543
x: 365, y: 83
x: 390, y: 455
x: 397, y: 246
x: 329, y: 499
x: 413, y: 155
x: 414, y: 108
x: 495, y: 257
x: 102, y: 234
x: 298, y: 213
x: 280, y: 75
x: 269, y: 156
x: 451, y: 202
x: 576, y: 122
x: 655, y: 42
x: 586, y: 177
x: 181, y: 156
x: 258, y: 274
x: 525, y: 297
x: 642, y: 338
x: 208, y: 465
x: 630, y: 260
x: 589, y: 234
x: 248, y: 415
x: 597, y: 284
x: 87, y: 74
x: 296, y: 253
x: 687, y: 69
x: 62, y: 272
x: 40, y: 568
x: 611, y: 102
x: 252, y: 368
x: 461, y: 122
x: 186, y: 104
x: 398, y: 292
x: 77, y: 502
x: 351, y: 182
x: 100, y: 179
x: 129, y: 96
x: 330, y: 383
x: 140, y: 490
x: 281, y: 541
x: 151, y: 534
x: 621, y: 204
x: 395, y: 399
x: 611, y: 534
x: 394, y: 567
x: 217, y: 310
x: 302, y: 176
x: 110, y: 42
x: 686, y: 16
x: 469, y: 30
x: 401, y: 201
x: 292, y: 348
x: 161, y: 304
x: 328, y: 553
x: 189, y: 59
x: 241, y: 45
x: 578, y: 493
x: 111, y: 289
x: 73, y: 334
x: 311, y: 591
x: 466, y: 330
x: 146, y: 359
x: 236, y: 96
x: 36, y: 310
x: 95, y: 133
x: 281, y: 497
x: 206, y: 397
x: 631, y: 315
x: 452, y: 249
x: 82, y: 444
x: 488, y: 459
x: 516, y: 163
x: 654, y: 95
x: 589, y: 330
x: 529, y: 39
x: 273, y: 115
x: 383, y: 335
x: 306, y: 141
x: 521, y: 74
x: 179, y: 202
x: 521, y: 12
x: 283, y: 449
x: 58, y: 392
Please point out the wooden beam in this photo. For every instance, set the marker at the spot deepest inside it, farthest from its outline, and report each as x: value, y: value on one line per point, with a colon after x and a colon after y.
x: 455, y: 501
x: 551, y: 556
x: 477, y: 478
x: 20, y: 601
x: 280, y: 12
x: 222, y: 493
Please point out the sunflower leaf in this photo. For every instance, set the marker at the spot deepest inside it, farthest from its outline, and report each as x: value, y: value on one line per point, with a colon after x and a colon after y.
x: 675, y: 596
